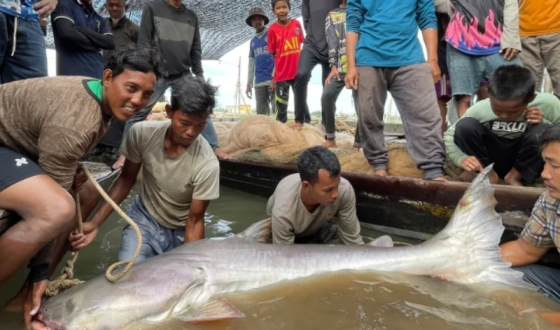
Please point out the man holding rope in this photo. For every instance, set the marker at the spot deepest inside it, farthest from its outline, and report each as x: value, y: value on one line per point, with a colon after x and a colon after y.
x: 46, y: 126
x: 180, y: 176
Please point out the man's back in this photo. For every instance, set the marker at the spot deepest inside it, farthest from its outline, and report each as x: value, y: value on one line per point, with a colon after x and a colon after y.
x: 175, y: 32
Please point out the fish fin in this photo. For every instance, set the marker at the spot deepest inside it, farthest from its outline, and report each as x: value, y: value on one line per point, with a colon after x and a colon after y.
x: 259, y: 231
x: 214, y: 310
x: 473, y: 236
x: 383, y: 241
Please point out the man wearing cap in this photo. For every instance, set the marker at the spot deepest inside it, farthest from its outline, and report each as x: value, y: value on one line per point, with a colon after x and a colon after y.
x: 261, y: 63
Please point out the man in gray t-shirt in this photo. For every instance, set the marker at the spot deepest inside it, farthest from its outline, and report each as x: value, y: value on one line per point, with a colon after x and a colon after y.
x: 180, y: 176
x: 316, y: 205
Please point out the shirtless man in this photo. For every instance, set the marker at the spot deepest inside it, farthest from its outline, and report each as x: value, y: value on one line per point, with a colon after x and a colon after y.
x: 316, y: 205
x: 46, y: 126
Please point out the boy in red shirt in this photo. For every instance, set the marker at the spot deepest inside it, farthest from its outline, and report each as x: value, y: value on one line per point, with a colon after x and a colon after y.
x: 285, y: 37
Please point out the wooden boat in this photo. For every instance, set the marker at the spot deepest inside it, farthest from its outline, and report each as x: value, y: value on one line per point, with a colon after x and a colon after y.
x: 410, y: 208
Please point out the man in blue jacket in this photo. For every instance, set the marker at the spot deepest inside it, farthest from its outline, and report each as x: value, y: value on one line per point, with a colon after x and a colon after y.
x: 384, y: 52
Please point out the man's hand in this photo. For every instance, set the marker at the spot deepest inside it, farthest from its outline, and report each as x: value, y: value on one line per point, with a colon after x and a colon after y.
x: 436, y: 72
x: 249, y: 91
x: 32, y: 302
x: 80, y: 179
x: 471, y: 164
x: 273, y: 86
x: 352, y: 78
x: 45, y: 7
x: 534, y: 116
x: 332, y: 74
x: 509, y: 53
x: 79, y: 241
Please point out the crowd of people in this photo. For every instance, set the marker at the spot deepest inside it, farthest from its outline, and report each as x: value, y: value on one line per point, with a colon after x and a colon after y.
x: 111, y: 73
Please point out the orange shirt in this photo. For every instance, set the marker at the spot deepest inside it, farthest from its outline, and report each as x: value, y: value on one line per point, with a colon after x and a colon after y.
x: 539, y: 17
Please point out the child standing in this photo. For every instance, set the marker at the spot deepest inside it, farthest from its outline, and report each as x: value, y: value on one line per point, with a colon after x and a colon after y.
x: 285, y: 37
x: 335, y: 30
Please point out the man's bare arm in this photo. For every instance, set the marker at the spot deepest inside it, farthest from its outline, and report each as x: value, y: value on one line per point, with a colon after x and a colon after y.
x: 521, y: 253
x: 194, y: 230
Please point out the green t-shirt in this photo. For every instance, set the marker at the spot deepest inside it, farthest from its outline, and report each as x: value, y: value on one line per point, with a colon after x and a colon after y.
x: 548, y: 104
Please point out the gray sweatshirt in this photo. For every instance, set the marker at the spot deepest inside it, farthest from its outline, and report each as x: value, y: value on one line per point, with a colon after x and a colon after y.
x: 175, y: 32
x: 290, y: 218
x: 314, y: 13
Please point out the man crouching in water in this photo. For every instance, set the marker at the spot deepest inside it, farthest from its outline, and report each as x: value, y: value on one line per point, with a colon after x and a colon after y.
x: 542, y: 231
x: 180, y: 175
x: 46, y: 126
x: 315, y: 206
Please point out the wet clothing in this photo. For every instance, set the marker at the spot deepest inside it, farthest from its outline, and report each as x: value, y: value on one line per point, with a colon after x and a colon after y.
x: 175, y: 32
x: 482, y: 27
x: 546, y: 279
x: 290, y: 218
x: 80, y: 34
x: 482, y: 112
x: 389, y: 30
x: 53, y: 121
x: 412, y: 88
x: 335, y: 29
x: 522, y: 153
x: 124, y: 32
x: 156, y: 239
x: 23, y: 53
x: 284, y: 43
x: 169, y: 185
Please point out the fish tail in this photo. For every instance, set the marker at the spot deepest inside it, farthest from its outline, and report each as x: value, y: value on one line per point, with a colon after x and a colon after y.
x: 475, y: 231
x: 259, y: 231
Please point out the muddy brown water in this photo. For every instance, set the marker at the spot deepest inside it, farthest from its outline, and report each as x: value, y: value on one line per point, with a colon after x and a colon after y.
x: 350, y: 300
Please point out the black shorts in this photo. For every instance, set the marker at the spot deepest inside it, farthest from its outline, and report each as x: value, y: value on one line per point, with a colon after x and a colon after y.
x: 15, y: 168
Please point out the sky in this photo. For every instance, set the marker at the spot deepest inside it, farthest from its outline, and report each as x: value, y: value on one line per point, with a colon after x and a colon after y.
x: 223, y: 73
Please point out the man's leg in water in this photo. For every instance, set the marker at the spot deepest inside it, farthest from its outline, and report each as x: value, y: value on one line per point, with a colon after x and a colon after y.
x: 46, y: 210
x: 89, y: 197
x: 545, y: 278
x: 150, y: 230
x: 161, y: 87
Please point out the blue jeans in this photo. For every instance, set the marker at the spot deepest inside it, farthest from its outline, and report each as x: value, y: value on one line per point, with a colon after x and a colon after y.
x: 162, y: 85
x: 545, y: 278
x: 23, y: 54
x: 466, y: 71
x: 156, y: 239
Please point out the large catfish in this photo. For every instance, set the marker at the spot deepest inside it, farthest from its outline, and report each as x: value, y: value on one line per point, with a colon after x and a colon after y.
x: 186, y: 283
